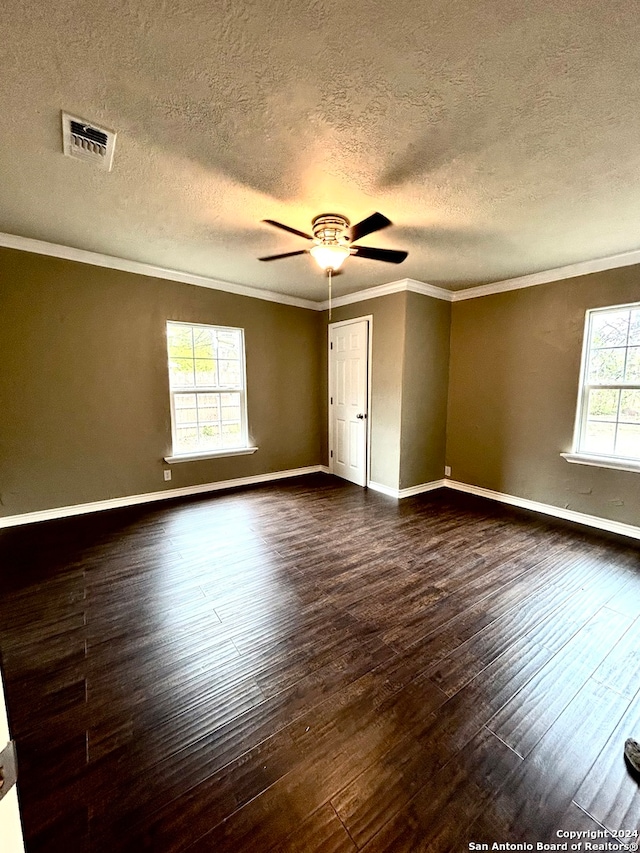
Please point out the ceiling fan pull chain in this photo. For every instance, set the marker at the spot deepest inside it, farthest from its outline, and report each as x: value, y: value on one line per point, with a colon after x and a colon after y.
x: 329, y: 294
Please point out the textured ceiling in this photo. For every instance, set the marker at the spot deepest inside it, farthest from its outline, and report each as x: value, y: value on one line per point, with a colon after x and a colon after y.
x: 501, y: 137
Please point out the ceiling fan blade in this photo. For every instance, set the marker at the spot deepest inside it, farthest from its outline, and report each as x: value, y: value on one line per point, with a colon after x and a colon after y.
x: 372, y: 223
x: 391, y: 256
x: 287, y: 228
x: 285, y: 255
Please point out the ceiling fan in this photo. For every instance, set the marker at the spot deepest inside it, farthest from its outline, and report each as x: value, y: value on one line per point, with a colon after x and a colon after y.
x: 334, y: 238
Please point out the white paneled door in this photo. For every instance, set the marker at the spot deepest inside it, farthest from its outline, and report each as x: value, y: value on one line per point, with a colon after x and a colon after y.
x: 349, y: 399
x: 10, y: 826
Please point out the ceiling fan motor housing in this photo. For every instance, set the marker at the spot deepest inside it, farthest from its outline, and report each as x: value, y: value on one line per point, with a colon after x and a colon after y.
x: 331, y: 228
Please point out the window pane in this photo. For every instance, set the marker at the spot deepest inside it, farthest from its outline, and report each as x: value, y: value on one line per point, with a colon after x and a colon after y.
x: 628, y: 441
x: 632, y: 373
x: 204, y: 344
x: 181, y: 373
x: 208, y: 416
x: 603, y: 404
x: 231, y: 435
x: 202, y: 361
x: 210, y: 436
x: 229, y: 352
x: 230, y: 407
x: 610, y: 421
x: 606, y: 366
x: 599, y: 437
x: 229, y: 337
x: 184, y: 401
x: 187, y: 439
x: 231, y: 398
x: 180, y: 341
x: 230, y: 413
x: 630, y: 407
x: 206, y: 372
x: 208, y: 408
x: 610, y: 329
x: 186, y: 414
x: 205, y: 400
x: 230, y: 373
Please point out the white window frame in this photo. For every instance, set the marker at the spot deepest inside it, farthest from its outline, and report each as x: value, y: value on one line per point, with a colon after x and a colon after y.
x: 243, y: 446
x: 579, y: 454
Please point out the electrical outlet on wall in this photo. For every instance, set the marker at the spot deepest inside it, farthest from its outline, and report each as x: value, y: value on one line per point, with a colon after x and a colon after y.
x: 167, y: 474
x: 447, y: 470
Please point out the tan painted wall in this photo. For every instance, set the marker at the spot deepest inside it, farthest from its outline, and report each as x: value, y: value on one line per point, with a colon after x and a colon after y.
x: 84, y: 385
x: 425, y: 384
x: 410, y: 368
x: 515, y: 362
x: 386, y: 378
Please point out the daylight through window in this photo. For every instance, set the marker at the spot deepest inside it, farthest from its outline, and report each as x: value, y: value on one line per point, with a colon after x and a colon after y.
x: 608, y: 421
x: 207, y: 383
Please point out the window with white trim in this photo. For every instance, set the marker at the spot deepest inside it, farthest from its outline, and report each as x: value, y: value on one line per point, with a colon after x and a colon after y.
x: 608, y: 419
x: 207, y: 385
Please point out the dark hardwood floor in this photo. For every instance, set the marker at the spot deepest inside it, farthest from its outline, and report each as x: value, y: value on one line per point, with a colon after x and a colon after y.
x: 310, y: 666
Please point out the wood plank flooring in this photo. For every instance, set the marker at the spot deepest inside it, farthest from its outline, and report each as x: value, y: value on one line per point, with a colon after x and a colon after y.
x: 310, y: 666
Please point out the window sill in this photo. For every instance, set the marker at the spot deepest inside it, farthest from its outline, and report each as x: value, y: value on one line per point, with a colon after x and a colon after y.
x: 210, y: 454
x: 603, y: 461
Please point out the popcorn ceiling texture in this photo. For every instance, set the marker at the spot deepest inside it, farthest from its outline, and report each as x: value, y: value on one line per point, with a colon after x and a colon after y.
x: 501, y: 137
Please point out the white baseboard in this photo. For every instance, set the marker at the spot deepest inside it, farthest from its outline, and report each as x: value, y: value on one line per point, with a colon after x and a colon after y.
x: 385, y: 490
x: 599, y: 523
x: 524, y: 503
x: 423, y: 487
x: 132, y: 500
x: 548, y: 509
x: 406, y: 493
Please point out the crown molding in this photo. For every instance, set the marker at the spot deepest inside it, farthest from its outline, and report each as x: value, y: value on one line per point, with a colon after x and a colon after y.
x: 55, y: 250
x: 426, y: 289
x: 399, y: 286
x: 68, y: 253
x: 96, y: 259
x: 625, y: 259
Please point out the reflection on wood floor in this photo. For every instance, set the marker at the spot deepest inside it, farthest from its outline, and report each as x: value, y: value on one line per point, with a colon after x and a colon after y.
x: 310, y: 666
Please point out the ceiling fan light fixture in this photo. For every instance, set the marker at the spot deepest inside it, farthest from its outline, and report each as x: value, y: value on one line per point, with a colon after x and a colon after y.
x: 335, y: 240
x: 331, y: 256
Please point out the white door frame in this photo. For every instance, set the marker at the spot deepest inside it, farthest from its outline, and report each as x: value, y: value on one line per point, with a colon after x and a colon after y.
x: 369, y: 320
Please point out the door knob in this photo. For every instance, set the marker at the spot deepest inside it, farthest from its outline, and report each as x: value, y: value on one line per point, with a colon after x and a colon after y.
x: 361, y: 417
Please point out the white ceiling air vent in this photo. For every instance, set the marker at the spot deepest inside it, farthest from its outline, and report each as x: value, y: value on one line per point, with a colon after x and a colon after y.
x: 87, y: 141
